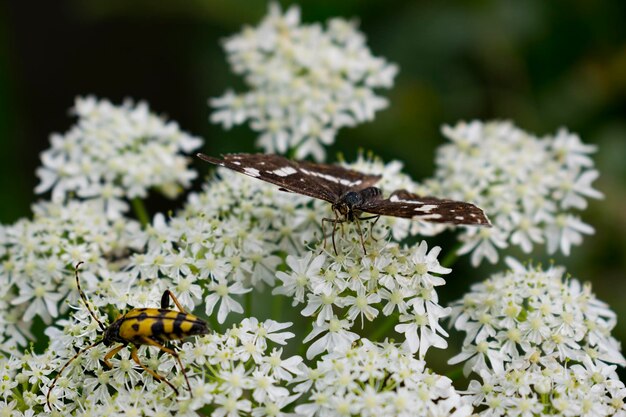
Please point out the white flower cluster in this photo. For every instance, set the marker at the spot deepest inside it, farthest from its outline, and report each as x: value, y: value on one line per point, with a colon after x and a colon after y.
x: 540, y: 345
x: 37, y: 259
x: 306, y: 82
x: 21, y: 376
x: 339, y: 290
x: 379, y: 379
x: 544, y: 387
x: 241, y: 372
x: 527, y: 185
x: 116, y: 152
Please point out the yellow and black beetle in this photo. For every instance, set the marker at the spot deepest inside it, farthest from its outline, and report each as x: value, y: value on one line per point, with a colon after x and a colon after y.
x: 142, y: 326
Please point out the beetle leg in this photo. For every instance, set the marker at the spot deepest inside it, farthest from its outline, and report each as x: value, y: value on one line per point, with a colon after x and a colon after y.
x: 111, y: 353
x: 165, y: 301
x: 133, y: 354
x: 147, y: 341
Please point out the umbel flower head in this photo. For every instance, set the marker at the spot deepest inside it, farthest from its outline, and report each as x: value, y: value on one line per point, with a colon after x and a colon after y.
x: 539, y: 342
x: 306, y: 82
x: 115, y: 153
x: 37, y: 257
x: 341, y: 290
x: 378, y: 379
x: 528, y: 186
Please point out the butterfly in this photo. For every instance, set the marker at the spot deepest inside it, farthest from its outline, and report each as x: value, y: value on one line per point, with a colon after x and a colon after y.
x: 350, y: 192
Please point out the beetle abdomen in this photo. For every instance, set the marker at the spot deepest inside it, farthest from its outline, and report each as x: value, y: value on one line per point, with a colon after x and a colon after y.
x: 160, y: 324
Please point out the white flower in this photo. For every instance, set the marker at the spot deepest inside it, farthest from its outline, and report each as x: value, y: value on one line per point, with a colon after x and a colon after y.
x: 259, y: 333
x: 564, y: 231
x: 42, y: 300
x: 303, y: 270
x: 337, y: 337
x: 220, y: 292
x: 116, y: 152
x: 527, y: 186
x: 283, y: 369
x: 360, y: 305
x: 421, y: 331
x: 306, y: 82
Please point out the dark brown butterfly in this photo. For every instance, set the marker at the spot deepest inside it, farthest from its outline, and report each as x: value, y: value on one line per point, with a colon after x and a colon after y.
x: 350, y: 192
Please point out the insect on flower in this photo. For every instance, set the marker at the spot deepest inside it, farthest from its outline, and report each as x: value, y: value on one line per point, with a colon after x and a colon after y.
x: 350, y: 192
x: 142, y: 326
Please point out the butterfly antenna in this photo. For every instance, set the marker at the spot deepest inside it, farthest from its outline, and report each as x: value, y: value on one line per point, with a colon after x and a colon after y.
x: 84, y: 298
x: 56, y: 378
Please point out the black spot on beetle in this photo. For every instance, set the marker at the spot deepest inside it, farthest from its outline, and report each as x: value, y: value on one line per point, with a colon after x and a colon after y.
x: 157, y: 327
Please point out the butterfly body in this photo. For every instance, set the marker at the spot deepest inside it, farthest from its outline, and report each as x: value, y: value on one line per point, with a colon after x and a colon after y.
x: 350, y: 204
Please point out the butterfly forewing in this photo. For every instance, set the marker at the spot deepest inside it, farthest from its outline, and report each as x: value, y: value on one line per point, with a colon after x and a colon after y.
x: 401, y: 203
x: 326, y: 182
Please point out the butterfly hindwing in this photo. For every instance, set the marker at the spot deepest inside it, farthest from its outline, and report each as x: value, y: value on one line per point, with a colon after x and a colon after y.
x: 402, y: 203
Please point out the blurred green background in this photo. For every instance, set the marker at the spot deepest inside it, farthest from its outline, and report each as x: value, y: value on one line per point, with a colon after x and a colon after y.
x: 541, y: 64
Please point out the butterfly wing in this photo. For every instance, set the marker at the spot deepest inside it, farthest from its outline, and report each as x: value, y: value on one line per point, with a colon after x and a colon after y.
x: 326, y: 182
x: 402, y: 203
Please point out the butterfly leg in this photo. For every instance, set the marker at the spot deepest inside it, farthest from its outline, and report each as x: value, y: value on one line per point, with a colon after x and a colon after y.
x: 147, y: 341
x: 165, y: 301
x: 376, y: 217
x: 324, y: 229
x: 358, y: 228
x: 335, y: 222
x: 337, y: 216
x: 333, y: 235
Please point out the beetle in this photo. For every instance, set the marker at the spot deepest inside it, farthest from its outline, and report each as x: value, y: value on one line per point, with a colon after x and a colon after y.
x: 142, y: 326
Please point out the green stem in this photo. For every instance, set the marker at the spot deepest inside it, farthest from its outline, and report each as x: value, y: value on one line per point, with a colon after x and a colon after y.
x: 214, y: 323
x: 384, y: 328
x: 140, y: 211
x: 451, y: 256
x: 455, y: 374
x: 277, y: 308
x: 302, y: 349
x: 248, y: 304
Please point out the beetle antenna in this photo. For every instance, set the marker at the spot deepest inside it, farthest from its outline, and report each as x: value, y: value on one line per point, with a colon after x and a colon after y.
x: 84, y: 298
x: 66, y: 365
